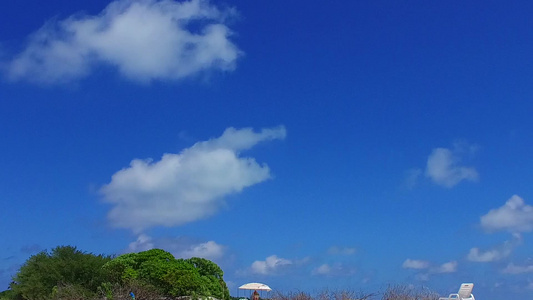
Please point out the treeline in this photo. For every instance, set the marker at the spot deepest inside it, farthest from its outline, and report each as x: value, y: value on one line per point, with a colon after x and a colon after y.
x: 68, y: 273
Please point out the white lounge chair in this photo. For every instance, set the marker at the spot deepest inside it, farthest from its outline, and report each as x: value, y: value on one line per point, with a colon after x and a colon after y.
x: 465, y: 293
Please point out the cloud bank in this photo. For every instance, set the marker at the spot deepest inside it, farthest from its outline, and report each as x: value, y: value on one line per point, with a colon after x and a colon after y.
x: 144, y: 40
x: 188, y: 186
x: 514, y: 216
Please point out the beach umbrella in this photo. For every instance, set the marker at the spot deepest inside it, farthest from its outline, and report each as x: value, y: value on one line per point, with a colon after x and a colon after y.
x: 255, y: 286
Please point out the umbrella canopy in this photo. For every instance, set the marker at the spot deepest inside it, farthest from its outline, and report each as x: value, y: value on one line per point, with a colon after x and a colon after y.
x: 255, y: 286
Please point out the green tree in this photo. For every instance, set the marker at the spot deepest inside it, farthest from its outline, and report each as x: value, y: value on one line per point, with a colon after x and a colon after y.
x: 7, y: 295
x: 159, y: 269
x: 67, y: 273
x: 212, y: 275
x: 41, y: 275
x: 121, y: 269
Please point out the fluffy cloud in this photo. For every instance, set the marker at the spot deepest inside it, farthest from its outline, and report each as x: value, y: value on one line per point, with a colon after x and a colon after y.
x: 270, y: 265
x: 496, y: 253
x: 208, y: 249
x: 181, y: 247
x: 477, y: 255
x: 415, y: 264
x: 443, y: 167
x: 513, y: 216
x: 143, y: 243
x: 426, y: 270
x: 449, y: 267
x: 143, y: 39
x: 188, y: 186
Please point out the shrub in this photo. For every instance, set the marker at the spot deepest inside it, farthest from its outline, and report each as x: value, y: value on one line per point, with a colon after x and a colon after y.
x: 401, y: 292
x: 398, y: 292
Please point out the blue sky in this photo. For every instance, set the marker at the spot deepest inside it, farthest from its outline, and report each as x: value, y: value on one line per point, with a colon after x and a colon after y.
x: 306, y: 145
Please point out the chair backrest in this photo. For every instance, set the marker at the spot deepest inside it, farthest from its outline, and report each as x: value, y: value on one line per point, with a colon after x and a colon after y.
x: 465, y: 291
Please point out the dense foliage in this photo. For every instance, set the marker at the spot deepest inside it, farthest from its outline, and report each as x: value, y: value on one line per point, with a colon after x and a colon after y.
x: 67, y: 273
x: 42, y: 274
x: 170, y: 276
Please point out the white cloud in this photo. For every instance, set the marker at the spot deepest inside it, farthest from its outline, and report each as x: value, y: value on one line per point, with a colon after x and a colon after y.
x: 415, y: 264
x: 209, y: 250
x: 516, y: 269
x: 496, y: 253
x: 443, y: 167
x: 337, y: 269
x: 335, y: 250
x: 143, y: 39
x: 185, y: 187
x: 426, y: 270
x: 449, y: 267
x: 270, y: 265
x: 477, y: 255
x: 181, y: 247
x: 324, y: 269
x: 513, y: 216
x: 143, y: 243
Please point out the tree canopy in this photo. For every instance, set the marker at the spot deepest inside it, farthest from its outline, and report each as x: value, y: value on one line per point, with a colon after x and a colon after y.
x: 41, y: 274
x: 66, y: 273
x: 170, y: 276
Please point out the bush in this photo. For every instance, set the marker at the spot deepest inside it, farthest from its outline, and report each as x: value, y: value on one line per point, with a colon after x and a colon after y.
x: 69, y: 274
x: 324, y: 295
x: 391, y: 293
x: 43, y: 275
x: 406, y: 293
x: 167, y: 275
x: 141, y: 290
